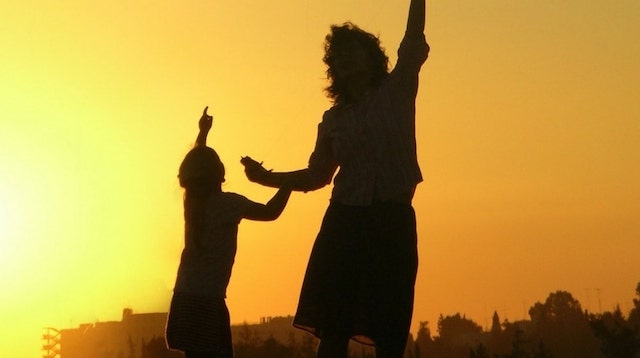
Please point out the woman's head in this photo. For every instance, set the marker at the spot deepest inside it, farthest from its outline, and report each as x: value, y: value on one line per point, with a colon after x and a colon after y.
x: 201, y: 167
x: 352, y: 55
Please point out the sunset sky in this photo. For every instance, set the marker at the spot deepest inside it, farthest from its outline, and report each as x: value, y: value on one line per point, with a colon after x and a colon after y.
x: 528, y: 125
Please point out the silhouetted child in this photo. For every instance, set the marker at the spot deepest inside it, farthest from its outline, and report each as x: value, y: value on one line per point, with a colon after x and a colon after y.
x: 198, y: 323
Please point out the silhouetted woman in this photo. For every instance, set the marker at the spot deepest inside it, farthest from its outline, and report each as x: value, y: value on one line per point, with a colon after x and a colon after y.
x: 360, y: 277
x: 198, y: 322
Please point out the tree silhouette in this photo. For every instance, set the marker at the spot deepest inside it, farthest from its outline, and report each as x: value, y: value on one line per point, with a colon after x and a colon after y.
x: 423, y: 343
x: 634, y: 315
x: 272, y: 348
x: 457, y: 337
x: 518, y: 346
x: 619, y: 339
x: 560, y: 323
x: 480, y: 352
x: 541, y: 351
x: 459, y: 329
x: 307, y: 348
x: 496, y: 327
x: 500, y: 339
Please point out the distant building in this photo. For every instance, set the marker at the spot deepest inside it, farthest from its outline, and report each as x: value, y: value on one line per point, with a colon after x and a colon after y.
x: 115, y: 339
x: 138, y: 335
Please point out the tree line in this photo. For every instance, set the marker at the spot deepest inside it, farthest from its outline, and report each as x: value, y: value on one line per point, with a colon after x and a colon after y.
x: 557, y: 328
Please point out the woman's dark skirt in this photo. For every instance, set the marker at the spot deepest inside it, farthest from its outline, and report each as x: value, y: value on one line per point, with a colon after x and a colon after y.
x: 199, y: 324
x: 361, y: 275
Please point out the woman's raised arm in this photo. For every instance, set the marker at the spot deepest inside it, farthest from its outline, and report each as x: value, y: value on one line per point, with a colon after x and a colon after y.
x: 416, y: 20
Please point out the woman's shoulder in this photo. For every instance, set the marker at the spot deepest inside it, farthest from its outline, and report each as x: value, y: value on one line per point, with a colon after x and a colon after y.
x: 329, y: 118
x: 336, y: 112
x: 330, y: 113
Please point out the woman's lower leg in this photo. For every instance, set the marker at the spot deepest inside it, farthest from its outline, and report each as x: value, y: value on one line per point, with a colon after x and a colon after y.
x: 333, y: 346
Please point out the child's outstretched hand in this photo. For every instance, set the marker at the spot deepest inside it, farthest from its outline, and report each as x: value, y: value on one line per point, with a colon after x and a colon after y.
x: 206, y: 121
x: 204, y: 124
x: 254, y: 170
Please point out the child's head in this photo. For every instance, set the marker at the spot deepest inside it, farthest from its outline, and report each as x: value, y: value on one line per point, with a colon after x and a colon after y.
x: 201, y: 167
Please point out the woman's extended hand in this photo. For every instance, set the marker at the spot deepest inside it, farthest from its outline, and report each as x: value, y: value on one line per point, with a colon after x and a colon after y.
x: 255, y: 171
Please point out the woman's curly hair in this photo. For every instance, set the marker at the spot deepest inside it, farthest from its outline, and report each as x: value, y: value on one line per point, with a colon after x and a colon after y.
x: 344, y: 36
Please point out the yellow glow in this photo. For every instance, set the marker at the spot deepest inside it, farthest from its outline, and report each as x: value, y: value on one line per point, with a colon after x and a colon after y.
x: 7, y: 229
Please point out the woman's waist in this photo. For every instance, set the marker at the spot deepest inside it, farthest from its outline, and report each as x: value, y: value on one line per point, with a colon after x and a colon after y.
x: 363, y: 195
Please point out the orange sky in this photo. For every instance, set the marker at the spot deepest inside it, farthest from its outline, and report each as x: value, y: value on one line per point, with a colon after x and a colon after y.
x: 528, y: 133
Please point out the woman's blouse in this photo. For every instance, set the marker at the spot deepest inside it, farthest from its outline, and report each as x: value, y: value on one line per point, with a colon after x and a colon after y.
x: 207, y: 258
x: 373, y: 142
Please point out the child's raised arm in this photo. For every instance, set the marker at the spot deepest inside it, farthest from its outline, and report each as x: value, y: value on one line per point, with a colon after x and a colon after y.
x: 271, y: 210
x: 204, y: 124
